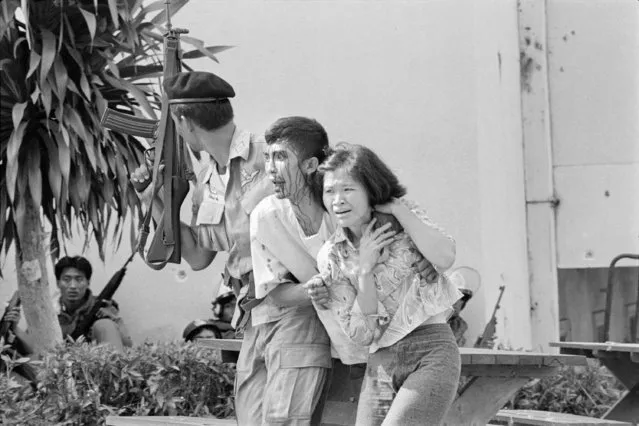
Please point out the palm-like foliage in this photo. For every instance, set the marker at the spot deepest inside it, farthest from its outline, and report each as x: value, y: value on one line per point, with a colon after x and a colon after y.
x: 62, y: 63
x: 60, y: 70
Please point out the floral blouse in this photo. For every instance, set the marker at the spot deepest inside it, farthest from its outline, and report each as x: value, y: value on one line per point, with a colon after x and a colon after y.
x: 405, y: 299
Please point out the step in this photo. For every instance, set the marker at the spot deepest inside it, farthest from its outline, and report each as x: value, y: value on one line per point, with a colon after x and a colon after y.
x: 544, y: 418
x: 167, y: 421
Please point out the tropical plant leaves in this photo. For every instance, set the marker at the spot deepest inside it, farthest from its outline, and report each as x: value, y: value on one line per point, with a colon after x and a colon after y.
x: 58, y: 74
x: 48, y: 53
x: 89, y: 18
x: 197, y: 53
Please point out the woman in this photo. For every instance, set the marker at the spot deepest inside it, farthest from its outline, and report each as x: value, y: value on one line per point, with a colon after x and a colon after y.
x: 378, y: 297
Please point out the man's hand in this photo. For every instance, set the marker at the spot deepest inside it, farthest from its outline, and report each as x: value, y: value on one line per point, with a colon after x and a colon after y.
x: 108, y: 311
x: 427, y: 270
x: 317, y: 292
x: 13, y: 315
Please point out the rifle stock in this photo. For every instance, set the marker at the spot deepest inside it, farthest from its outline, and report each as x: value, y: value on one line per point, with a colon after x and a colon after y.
x: 25, y: 370
x: 106, y: 294
x: 6, y: 325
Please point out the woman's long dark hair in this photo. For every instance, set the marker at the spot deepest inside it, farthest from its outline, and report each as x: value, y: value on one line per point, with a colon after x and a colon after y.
x: 379, y: 181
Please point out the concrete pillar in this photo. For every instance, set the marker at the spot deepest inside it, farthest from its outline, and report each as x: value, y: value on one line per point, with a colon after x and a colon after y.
x: 501, y: 170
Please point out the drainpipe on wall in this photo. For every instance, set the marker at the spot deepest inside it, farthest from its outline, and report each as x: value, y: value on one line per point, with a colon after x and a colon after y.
x: 541, y: 201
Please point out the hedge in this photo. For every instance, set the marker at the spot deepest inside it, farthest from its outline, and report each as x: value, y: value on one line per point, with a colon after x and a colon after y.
x: 81, y: 384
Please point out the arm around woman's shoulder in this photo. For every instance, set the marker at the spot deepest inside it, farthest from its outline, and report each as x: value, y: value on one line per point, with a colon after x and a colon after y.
x: 433, y: 242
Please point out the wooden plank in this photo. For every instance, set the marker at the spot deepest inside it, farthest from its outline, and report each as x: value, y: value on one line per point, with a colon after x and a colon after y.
x: 479, y: 358
x: 627, y: 408
x: 619, y: 311
x: 620, y: 364
x: 167, y: 421
x: 608, y: 346
x: 507, y: 359
x: 518, y: 370
x: 481, y: 399
x: 580, y: 305
x: 496, y: 357
x: 546, y: 418
x: 223, y: 344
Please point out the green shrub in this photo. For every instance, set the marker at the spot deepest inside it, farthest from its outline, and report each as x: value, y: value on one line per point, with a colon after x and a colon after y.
x: 82, y: 384
x: 587, y: 391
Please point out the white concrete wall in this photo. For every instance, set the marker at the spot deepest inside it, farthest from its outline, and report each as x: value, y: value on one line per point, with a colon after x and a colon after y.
x: 594, y: 98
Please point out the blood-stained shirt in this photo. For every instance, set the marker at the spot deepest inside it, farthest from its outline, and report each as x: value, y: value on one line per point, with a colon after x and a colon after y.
x: 282, y: 253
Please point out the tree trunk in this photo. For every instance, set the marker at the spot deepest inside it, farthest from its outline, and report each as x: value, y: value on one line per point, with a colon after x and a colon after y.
x: 33, y: 284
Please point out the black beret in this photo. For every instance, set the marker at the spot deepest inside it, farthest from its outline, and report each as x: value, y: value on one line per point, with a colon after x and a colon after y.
x: 197, y: 86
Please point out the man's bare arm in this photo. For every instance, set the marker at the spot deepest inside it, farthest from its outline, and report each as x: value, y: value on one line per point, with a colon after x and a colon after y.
x: 289, y: 294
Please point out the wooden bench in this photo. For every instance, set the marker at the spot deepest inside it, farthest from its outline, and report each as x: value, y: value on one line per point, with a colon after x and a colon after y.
x: 167, y: 421
x: 494, y: 376
x: 622, y: 360
x: 546, y: 418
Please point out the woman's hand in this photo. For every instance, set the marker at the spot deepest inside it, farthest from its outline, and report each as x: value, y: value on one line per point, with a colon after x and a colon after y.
x: 371, y: 244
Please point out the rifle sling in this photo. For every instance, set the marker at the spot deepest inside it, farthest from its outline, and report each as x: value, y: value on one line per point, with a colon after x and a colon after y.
x: 144, y: 232
x: 167, y: 140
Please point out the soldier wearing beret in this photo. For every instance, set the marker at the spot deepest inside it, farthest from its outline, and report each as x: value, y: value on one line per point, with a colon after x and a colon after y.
x: 227, y: 190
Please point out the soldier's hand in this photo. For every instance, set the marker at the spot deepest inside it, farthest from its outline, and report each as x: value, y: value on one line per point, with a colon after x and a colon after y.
x: 141, y: 179
x: 427, y: 271
x: 109, y: 311
x: 317, y: 292
x: 13, y: 315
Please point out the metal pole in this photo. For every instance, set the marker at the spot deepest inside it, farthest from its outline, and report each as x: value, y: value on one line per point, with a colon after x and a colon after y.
x: 610, y: 289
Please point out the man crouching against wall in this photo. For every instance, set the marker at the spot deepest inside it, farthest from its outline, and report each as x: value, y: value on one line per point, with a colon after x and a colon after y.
x: 286, y: 354
x: 73, y: 275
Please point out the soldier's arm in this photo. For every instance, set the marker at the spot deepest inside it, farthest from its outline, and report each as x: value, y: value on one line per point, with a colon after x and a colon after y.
x: 196, y: 256
x: 431, y: 240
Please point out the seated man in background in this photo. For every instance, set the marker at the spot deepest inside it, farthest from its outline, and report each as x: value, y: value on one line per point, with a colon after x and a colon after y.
x: 218, y: 327
x: 73, y: 275
x: 200, y: 329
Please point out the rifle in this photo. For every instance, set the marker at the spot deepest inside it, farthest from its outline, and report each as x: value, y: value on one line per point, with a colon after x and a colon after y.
x: 487, y: 337
x: 169, y: 150
x: 107, y: 293
x: 6, y: 327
